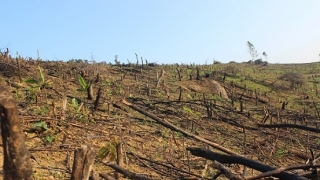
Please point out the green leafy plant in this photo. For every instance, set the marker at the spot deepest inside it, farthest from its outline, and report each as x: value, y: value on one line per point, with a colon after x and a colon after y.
x: 118, y: 89
x: 187, y: 110
x: 17, y: 95
x: 281, y: 151
x: 84, y: 85
x: 83, y: 117
x: 40, y: 126
x: 42, y: 111
x: 159, y: 94
x: 198, y: 114
x: 191, y: 113
x: 44, y: 132
x: 39, y: 83
x: 75, y: 104
x: 49, y: 138
x: 80, y: 115
x: 178, y: 134
x: 108, y: 151
x: 190, y: 97
x: 30, y: 93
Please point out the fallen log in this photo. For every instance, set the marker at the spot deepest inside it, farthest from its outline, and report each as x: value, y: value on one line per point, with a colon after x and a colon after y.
x: 234, y: 159
x: 175, y: 128
x: 226, y: 171
x: 289, y: 126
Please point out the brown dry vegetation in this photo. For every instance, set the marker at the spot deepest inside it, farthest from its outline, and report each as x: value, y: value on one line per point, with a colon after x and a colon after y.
x: 200, y: 107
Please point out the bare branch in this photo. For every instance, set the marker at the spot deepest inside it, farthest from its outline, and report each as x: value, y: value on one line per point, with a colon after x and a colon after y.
x: 226, y: 171
x: 282, y: 169
x: 127, y: 173
x: 289, y: 126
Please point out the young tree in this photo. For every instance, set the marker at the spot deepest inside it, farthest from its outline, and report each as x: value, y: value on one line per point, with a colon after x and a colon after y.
x: 265, y: 55
x: 137, y: 60
x: 252, y: 50
x: 265, y: 63
x: 116, y: 60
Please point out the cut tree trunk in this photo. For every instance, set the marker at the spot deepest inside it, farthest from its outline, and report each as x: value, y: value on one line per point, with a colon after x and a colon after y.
x: 16, y: 163
x: 82, y: 164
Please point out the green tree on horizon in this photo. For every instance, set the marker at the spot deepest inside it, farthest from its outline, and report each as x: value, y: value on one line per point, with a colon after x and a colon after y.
x: 252, y: 50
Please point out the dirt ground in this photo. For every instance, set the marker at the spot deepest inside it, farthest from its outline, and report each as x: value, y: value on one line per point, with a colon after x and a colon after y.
x: 57, y: 119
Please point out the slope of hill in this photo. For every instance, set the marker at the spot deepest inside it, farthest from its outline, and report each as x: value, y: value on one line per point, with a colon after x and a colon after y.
x: 135, y: 103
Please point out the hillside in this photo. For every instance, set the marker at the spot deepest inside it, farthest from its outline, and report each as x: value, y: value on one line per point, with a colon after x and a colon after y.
x: 225, y: 105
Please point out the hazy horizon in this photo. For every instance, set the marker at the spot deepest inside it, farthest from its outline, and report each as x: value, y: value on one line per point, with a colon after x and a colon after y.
x: 181, y: 31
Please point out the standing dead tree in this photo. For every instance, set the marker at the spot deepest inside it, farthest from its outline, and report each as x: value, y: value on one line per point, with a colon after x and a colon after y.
x: 19, y: 68
x: 198, y: 73
x: 16, y: 163
x: 96, y: 102
x: 6, y: 54
x: 90, y: 91
x: 266, y: 115
x: 179, y: 73
x: 161, y: 78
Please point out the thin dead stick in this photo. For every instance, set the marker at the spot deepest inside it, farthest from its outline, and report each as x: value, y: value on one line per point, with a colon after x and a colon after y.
x: 226, y: 171
x: 87, y: 128
x: 127, y: 173
x: 317, y: 110
x: 274, y: 145
x: 156, y: 170
x: 164, y: 165
x: 53, y: 169
x: 175, y: 128
x: 107, y: 176
x: 282, y: 169
x: 160, y: 78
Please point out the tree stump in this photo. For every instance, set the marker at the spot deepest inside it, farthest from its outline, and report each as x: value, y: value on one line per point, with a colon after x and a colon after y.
x: 83, y: 162
x: 16, y: 163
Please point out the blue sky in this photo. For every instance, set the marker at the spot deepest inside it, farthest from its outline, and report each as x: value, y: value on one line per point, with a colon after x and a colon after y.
x: 162, y: 31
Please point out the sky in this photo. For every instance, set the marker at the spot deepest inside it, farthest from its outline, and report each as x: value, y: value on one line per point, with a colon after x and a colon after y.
x: 162, y: 31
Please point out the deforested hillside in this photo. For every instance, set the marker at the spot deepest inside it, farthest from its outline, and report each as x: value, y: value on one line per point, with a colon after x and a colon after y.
x: 169, y: 121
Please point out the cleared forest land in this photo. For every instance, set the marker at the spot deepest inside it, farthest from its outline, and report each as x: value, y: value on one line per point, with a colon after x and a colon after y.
x: 177, y: 121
